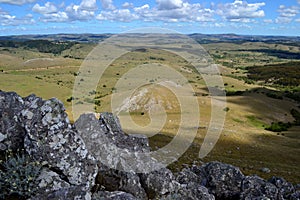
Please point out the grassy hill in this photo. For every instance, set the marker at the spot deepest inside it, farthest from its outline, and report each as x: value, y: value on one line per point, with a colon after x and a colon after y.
x: 250, y: 108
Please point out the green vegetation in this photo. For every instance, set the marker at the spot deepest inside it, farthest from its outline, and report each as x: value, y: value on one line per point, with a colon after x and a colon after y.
x: 18, y: 177
x: 255, y: 121
x: 279, y: 126
x: 286, y: 74
x: 253, y: 102
x: 44, y: 46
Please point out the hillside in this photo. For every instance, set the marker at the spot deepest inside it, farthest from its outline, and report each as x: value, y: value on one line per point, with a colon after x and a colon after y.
x: 254, y: 101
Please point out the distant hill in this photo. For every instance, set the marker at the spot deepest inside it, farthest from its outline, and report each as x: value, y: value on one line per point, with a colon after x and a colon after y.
x: 201, y: 38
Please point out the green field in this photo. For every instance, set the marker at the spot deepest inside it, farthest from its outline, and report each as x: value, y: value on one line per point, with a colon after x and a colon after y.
x: 251, y: 102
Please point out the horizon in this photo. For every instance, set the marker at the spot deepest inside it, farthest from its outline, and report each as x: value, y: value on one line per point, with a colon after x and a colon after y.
x: 195, y: 33
x: 252, y: 17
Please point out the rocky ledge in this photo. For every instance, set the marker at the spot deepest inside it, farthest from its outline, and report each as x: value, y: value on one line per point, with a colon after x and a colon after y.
x: 44, y: 156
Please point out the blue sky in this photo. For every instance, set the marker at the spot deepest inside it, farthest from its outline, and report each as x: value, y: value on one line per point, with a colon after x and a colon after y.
x: 252, y: 17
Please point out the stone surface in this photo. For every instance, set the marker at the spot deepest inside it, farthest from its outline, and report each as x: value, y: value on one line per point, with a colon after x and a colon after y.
x: 114, y: 148
x: 43, y: 129
x: 114, y: 180
x: 11, y: 131
x: 51, y: 139
x: 191, y: 191
x: 223, y: 180
x: 254, y: 187
x: 70, y: 193
x: 285, y: 188
x: 67, y: 154
x: 159, y: 183
x: 116, y: 195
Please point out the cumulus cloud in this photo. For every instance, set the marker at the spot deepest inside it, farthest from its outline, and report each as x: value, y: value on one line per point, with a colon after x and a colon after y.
x: 84, y: 11
x: 10, y: 20
x: 169, y: 4
x: 107, y: 5
x: 127, y: 5
x: 17, y: 2
x: 268, y: 21
x: 123, y: 15
x: 286, y: 14
x: 55, y: 17
x: 165, y: 10
x: 241, y: 10
x: 46, y: 9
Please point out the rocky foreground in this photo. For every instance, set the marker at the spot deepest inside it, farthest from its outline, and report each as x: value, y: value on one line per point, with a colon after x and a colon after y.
x: 71, y: 166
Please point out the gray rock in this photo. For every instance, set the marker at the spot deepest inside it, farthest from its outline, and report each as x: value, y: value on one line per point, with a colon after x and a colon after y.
x: 159, y: 183
x: 50, y: 181
x: 285, y: 188
x: 223, y: 180
x: 114, y: 180
x: 265, y: 170
x: 51, y: 140
x: 71, y: 193
x: 110, y: 145
x: 190, y: 191
x: 254, y: 187
x: 194, y: 174
x: 294, y: 196
x: 11, y: 131
x: 117, y: 195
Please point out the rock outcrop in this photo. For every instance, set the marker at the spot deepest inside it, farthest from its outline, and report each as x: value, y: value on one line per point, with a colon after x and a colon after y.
x: 89, y: 160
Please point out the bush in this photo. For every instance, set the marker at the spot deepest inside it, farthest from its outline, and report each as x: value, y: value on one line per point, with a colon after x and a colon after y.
x: 18, y: 177
x: 278, y: 126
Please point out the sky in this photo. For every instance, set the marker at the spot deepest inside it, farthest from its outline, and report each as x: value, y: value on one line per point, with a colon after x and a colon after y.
x: 252, y: 17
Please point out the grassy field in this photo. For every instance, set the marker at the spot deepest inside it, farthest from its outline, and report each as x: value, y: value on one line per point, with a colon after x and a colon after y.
x: 244, y: 142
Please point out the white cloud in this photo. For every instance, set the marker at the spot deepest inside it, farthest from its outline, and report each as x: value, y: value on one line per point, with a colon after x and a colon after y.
x: 286, y: 14
x: 10, y: 20
x: 107, y: 5
x: 169, y: 4
x: 47, y: 9
x: 55, y: 17
x: 89, y: 5
x: 297, y: 20
x: 123, y: 15
x: 268, y: 21
x: 186, y: 13
x: 17, y: 2
x: 127, y: 5
x: 84, y: 11
x: 241, y: 10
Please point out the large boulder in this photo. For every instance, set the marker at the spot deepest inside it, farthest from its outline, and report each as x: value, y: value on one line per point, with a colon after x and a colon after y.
x: 69, y: 193
x: 285, y: 188
x: 190, y: 191
x: 43, y: 129
x: 51, y: 140
x: 105, y: 139
x: 159, y: 183
x: 223, y: 180
x: 12, y: 132
x: 254, y: 187
x: 116, y: 195
x: 115, y: 180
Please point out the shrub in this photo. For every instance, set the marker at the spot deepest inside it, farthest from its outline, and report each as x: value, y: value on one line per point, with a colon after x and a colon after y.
x: 18, y: 177
x: 278, y: 126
